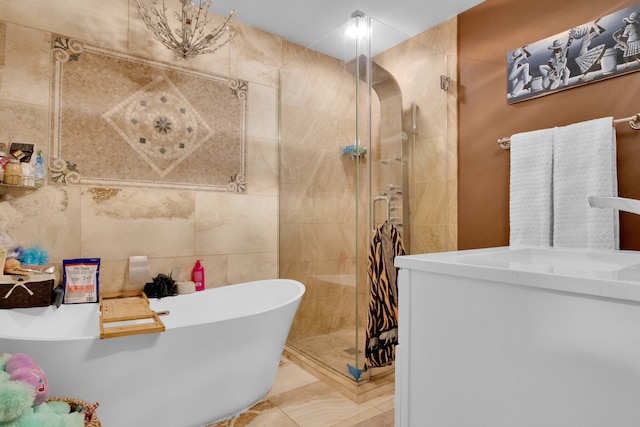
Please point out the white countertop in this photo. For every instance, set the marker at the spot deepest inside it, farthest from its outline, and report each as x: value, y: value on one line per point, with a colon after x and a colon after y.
x: 602, y: 273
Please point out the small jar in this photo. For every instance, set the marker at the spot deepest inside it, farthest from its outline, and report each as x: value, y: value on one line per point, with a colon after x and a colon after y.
x: 13, y: 173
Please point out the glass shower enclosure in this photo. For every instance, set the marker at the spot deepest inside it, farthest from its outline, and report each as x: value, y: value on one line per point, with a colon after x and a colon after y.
x: 344, y: 167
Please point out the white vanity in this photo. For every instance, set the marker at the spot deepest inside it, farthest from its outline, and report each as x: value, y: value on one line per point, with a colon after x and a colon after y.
x: 515, y: 337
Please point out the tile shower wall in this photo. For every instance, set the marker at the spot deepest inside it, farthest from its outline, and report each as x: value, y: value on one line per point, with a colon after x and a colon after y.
x: 317, y: 201
x: 234, y: 234
x: 317, y: 210
x: 417, y: 65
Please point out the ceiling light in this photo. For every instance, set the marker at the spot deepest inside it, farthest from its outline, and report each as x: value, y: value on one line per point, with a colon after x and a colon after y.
x: 357, y: 27
x: 189, y: 37
x: 356, y: 31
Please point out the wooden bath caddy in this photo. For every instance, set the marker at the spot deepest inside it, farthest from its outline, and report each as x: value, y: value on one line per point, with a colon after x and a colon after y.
x: 132, y: 312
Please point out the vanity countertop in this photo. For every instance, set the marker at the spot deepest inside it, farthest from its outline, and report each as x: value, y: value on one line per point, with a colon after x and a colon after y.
x: 603, y: 273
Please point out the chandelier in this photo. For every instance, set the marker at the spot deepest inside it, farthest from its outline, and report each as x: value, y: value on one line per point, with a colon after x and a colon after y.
x: 190, y: 37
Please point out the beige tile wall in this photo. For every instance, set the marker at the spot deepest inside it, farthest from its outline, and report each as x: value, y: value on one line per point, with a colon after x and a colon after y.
x: 235, y: 235
x: 417, y: 65
x: 317, y: 206
x: 317, y: 210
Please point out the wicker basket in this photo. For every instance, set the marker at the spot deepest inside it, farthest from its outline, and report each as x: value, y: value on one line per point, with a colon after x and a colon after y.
x: 91, y: 420
x: 25, y: 293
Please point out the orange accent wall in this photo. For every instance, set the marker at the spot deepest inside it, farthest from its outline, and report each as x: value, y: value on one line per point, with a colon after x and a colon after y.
x: 485, y: 34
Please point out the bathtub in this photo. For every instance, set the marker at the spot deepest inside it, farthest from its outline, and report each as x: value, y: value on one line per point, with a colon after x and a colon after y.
x: 218, y: 356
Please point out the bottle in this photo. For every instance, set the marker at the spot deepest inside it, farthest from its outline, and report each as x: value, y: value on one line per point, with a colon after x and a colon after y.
x: 27, y: 174
x: 3, y: 163
x: 39, y: 172
x: 197, y: 276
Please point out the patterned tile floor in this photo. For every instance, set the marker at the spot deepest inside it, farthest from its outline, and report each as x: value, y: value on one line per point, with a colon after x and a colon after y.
x: 298, y: 399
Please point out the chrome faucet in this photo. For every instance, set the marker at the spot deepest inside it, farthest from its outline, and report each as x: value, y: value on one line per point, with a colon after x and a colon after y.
x: 618, y: 203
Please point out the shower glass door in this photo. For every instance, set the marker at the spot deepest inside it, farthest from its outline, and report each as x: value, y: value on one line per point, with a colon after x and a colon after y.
x: 330, y: 135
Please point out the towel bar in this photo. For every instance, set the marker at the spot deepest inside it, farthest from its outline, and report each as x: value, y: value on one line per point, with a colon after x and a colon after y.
x: 634, y: 122
x: 373, y: 207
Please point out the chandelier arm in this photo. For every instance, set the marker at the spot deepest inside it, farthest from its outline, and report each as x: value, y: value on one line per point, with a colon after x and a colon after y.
x: 201, y: 29
x: 209, y: 40
x: 225, y: 26
x: 192, y: 38
x: 165, y: 37
x: 214, y: 49
x: 162, y: 31
x: 187, y: 30
x: 206, y: 41
x: 166, y: 34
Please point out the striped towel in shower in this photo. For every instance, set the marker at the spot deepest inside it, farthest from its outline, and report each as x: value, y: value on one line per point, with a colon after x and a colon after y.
x: 382, y: 321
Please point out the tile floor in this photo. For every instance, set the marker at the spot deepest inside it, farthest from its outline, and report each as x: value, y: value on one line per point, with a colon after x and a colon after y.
x: 298, y: 399
x: 333, y: 349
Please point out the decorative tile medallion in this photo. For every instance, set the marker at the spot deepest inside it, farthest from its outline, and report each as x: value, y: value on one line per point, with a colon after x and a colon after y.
x: 122, y: 120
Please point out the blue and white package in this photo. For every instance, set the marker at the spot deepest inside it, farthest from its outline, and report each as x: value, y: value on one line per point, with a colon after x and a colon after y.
x: 81, y: 280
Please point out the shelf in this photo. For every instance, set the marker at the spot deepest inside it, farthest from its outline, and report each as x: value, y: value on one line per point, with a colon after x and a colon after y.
x: 4, y: 187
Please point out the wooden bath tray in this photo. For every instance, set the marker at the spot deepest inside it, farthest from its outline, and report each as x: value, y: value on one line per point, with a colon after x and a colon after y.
x: 127, y: 313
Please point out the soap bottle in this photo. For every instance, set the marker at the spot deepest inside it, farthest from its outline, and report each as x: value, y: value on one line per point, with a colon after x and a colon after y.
x: 39, y: 172
x: 197, y: 276
x: 27, y: 174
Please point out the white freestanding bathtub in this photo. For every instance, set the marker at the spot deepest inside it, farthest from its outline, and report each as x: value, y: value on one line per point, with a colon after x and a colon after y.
x: 218, y: 356
x: 523, y: 337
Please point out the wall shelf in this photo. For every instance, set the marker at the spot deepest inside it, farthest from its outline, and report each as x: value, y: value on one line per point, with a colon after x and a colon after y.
x: 6, y: 188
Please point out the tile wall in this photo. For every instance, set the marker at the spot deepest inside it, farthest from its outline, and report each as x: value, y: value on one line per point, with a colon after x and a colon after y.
x: 236, y: 235
x: 418, y: 64
x: 317, y: 202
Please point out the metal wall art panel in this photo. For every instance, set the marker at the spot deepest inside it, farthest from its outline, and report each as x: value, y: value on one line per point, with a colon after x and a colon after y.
x: 606, y: 47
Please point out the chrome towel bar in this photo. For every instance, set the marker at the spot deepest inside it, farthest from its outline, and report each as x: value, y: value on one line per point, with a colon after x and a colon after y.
x: 634, y: 122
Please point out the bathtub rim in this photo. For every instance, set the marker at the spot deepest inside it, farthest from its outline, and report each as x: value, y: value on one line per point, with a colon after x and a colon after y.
x: 94, y: 308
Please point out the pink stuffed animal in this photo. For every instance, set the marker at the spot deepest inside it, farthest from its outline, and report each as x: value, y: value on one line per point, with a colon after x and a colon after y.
x: 22, y: 367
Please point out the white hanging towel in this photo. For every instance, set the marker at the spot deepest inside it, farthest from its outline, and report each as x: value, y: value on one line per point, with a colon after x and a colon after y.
x: 530, y: 191
x: 585, y: 165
